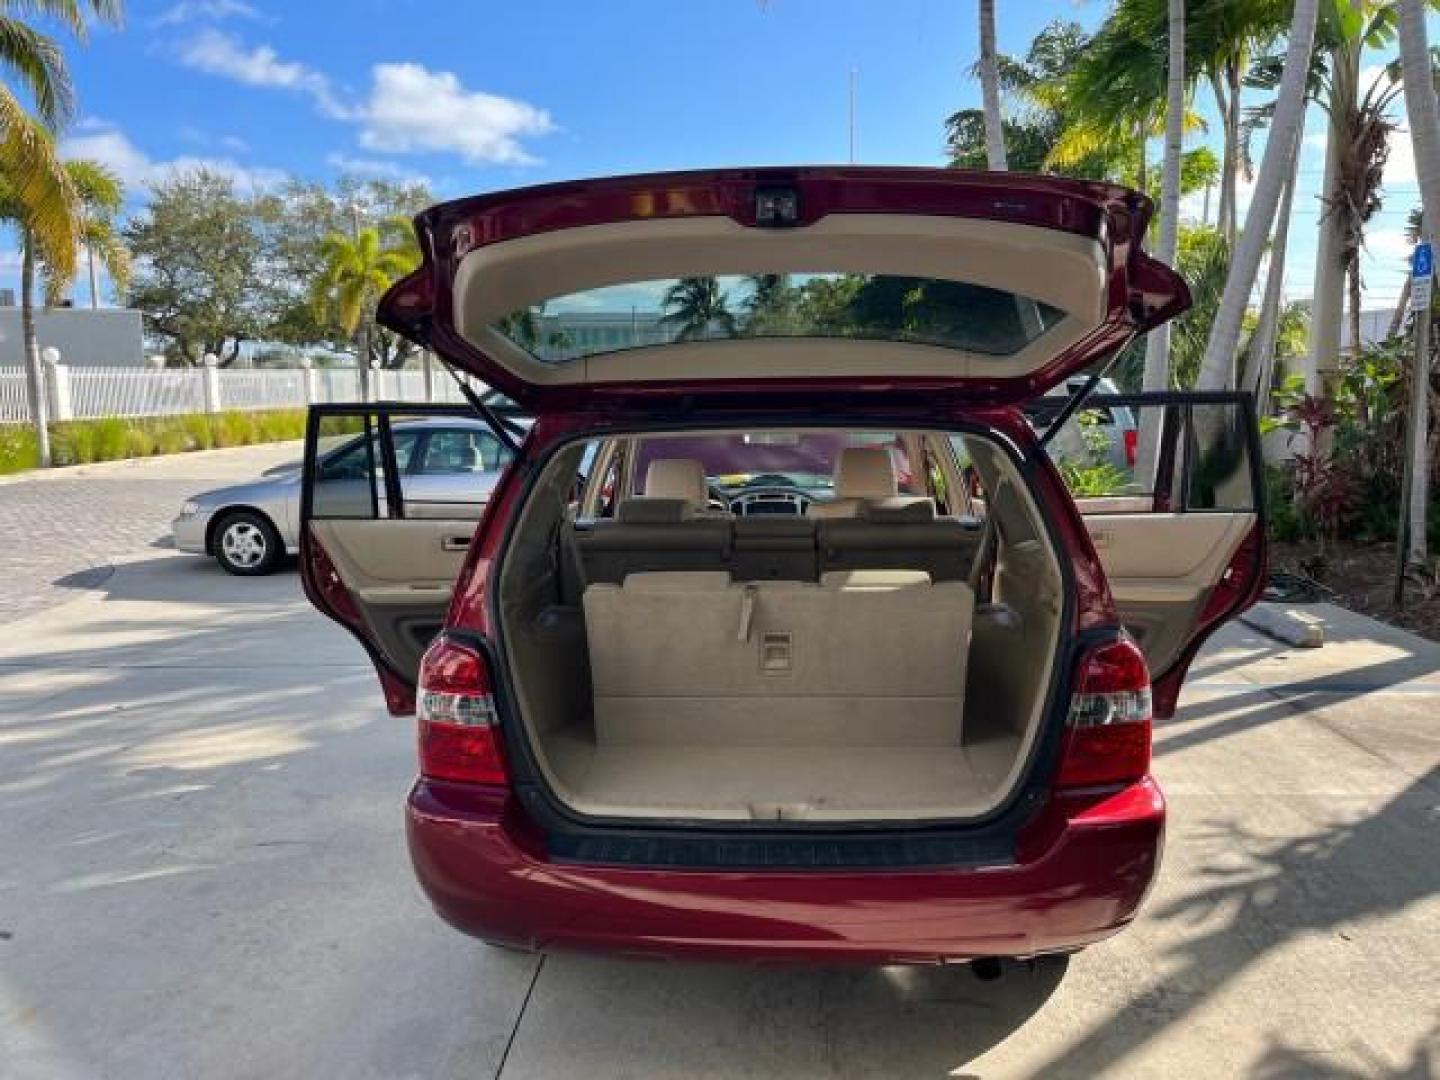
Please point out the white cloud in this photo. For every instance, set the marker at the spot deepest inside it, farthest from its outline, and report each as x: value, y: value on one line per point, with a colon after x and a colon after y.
x: 110, y: 145
x: 409, y: 110
x: 414, y: 110
x: 212, y: 10
x: 376, y: 167
x: 217, y: 53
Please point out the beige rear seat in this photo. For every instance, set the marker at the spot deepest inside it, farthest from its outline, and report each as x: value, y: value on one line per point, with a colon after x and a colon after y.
x: 696, y: 660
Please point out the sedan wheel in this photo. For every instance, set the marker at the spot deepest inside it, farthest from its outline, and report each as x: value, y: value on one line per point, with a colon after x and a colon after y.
x: 246, y: 544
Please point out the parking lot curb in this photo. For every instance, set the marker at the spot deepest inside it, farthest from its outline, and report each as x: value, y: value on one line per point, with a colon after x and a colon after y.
x: 1286, y: 624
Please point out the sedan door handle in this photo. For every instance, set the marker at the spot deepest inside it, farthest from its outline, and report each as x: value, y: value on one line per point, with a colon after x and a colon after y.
x: 455, y: 543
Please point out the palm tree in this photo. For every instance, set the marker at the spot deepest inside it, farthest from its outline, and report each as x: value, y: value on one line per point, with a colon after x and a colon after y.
x: 697, y: 305
x: 41, y: 201
x: 769, y: 306
x: 1217, y: 368
x: 990, y: 89
x: 1424, y: 116
x: 355, y: 274
x: 102, y: 196
x: 1354, y: 156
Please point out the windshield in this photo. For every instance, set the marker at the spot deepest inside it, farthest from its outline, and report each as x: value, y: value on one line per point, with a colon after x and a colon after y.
x: 916, y: 310
x: 771, y: 458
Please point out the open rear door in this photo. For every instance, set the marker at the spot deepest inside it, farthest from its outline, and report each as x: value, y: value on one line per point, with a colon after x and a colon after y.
x: 1186, y: 551
x: 392, y: 496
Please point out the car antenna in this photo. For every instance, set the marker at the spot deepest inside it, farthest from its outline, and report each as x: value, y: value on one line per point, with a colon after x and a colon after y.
x: 503, y: 429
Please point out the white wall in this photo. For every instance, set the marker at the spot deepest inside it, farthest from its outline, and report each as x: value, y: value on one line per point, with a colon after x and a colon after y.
x: 86, y: 337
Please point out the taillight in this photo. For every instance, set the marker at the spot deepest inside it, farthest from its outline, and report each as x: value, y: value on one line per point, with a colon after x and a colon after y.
x: 1132, y: 446
x: 455, y: 708
x: 1107, y: 734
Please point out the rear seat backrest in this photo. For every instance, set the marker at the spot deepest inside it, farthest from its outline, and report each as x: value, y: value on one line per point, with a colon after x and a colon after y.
x: 689, y: 659
x: 900, y: 534
x: 651, y: 534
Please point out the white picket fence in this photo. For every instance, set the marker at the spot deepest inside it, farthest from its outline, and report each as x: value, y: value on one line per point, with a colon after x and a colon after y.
x: 92, y: 393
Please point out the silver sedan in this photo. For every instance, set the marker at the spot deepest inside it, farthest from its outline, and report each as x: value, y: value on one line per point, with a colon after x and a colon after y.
x: 451, y: 463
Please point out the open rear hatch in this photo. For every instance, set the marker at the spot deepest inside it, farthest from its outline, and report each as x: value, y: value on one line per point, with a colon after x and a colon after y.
x: 982, y: 286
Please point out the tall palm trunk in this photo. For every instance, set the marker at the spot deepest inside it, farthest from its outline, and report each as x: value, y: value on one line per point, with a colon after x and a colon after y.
x: 990, y: 89
x: 1157, y: 345
x: 1327, y: 305
x: 1232, y: 129
x: 1260, y: 368
x: 362, y: 357
x: 1217, y: 367
x: 34, y: 369
x: 1397, y: 317
x: 1352, y: 278
x: 1424, y: 114
x: 94, y: 277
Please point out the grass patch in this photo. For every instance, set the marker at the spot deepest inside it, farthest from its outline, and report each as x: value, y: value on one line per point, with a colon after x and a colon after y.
x: 81, y: 442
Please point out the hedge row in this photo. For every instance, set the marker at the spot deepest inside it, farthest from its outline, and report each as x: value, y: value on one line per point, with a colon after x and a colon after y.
x: 80, y: 442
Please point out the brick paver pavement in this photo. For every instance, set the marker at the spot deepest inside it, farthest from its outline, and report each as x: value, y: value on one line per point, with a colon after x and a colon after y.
x: 61, y: 531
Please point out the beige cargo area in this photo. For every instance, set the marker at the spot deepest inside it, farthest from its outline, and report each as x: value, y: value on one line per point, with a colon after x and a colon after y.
x: 682, y: 665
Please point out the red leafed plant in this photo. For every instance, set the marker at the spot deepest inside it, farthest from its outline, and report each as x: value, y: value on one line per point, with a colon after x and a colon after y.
x: 1325, y: 488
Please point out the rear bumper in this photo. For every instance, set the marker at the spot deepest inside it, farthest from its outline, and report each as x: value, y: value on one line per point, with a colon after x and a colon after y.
x: 1083, y: 869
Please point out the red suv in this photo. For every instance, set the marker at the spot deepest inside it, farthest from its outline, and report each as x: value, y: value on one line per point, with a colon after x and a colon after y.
x: 783, y: 637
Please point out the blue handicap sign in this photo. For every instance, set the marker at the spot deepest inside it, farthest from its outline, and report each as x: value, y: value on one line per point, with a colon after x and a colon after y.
x: 1423, y: 265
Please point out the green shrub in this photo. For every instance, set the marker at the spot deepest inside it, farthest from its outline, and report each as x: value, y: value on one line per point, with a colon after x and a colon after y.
x: 111, y: 441
x: 172, y: 440
x: 18, y: 449
x: 197, y: 427
x: 80, y: 442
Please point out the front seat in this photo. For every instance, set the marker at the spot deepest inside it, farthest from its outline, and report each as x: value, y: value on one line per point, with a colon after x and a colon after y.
x: 863, y: 474
x: 679, y: 478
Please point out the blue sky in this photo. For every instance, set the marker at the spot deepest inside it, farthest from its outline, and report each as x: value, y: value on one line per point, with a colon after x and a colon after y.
x: 510, y: 94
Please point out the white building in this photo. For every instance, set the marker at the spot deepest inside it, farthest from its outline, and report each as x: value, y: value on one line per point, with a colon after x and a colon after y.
x: 86, y: 337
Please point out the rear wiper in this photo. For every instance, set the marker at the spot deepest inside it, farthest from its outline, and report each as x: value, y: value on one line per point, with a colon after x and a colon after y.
x: 506, y: 431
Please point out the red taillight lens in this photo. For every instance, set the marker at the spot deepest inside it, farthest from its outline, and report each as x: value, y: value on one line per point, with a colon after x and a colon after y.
x: 1132, y: 446
x: 1107, y: 737
x: 455, y: 708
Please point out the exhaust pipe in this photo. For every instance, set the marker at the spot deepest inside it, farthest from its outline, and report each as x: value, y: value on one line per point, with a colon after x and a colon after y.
x: 987, y: 968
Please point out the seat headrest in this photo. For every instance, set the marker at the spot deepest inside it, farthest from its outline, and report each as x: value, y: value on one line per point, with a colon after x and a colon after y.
x: 865, y: 472
x: 677, y: 478
x: 649, y: 510
x: 901, y: 508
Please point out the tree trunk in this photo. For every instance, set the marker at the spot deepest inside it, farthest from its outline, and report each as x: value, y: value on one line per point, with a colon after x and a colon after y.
x: 1260, y: 370
x: 1424, y: 116
x: 1227, y: 154
x: 1217, y: 367
x: 1157, y: 344
x: 34, y: 369
x: 1232, y: 128
x: 362, y: 358
x: 94, y: 277
x: 1352, y: 275
x: 1327, y: 305
x: 990, y: 89
x: 1397, y: 320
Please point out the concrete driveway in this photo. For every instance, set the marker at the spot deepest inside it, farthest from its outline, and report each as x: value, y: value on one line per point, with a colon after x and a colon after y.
x: 202, y: 873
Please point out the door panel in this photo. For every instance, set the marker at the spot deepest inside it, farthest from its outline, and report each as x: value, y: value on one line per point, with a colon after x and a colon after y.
x: 1183, y: 549
x: 382, y: 541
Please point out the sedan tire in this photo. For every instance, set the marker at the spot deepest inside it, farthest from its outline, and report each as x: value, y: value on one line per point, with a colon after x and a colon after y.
x: 247, y: 544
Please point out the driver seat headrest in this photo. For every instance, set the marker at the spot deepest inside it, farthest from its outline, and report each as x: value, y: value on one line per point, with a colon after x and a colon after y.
x: 865, y: 472
x: 677, y: 478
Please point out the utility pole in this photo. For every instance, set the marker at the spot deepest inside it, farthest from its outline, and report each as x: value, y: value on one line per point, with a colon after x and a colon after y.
x: 1410, y: 548
x: 853, y: 75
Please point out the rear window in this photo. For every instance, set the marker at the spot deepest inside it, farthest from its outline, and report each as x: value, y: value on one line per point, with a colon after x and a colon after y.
x: 914, y: 310
x: 804, y: 459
